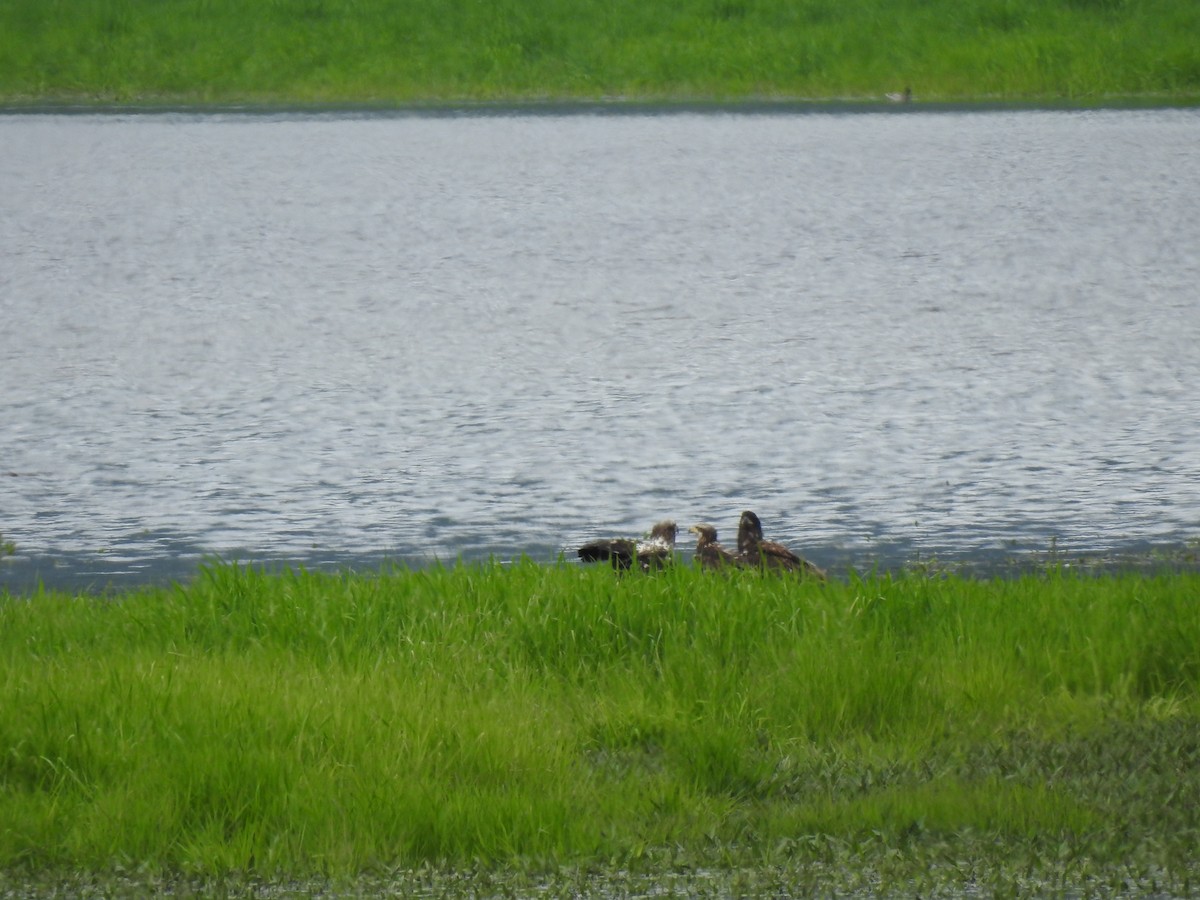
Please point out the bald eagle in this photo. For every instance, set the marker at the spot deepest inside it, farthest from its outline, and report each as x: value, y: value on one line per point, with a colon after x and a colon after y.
x: 650, y: 553
x: 709, y: 553
x: 754, y: 551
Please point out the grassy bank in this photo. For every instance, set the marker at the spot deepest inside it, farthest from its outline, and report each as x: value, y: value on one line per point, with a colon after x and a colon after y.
x: 300, y: 725
x: 384, y: 51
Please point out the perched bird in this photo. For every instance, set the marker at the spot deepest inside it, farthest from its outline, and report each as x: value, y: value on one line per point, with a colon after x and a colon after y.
x: 754, y: 551
x: 649, y: 553
x: 709, y: 553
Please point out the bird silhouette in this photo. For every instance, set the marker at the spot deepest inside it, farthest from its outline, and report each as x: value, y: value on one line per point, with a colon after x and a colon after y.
x: 709, y: 553
x: 648, y: 553
x: 755, y: 551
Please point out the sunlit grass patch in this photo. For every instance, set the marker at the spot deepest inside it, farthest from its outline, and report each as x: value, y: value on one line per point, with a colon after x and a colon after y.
x: 301, y: 724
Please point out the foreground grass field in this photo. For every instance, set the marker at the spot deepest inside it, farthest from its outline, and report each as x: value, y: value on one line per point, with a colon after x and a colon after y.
x: 530, y: 718
x: 403, y: 51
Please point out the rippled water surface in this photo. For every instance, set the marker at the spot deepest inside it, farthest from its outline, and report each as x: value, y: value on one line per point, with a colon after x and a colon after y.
x: 352, y: 338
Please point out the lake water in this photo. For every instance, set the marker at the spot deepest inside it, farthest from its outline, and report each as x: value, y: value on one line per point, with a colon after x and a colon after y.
x: 347, y: 338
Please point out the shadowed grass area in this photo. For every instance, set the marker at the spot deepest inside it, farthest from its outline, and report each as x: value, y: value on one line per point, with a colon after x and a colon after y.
x: 401, y: 51
x: 300, y: 724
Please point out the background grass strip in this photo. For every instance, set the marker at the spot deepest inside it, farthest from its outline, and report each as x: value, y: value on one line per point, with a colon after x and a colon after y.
x: 403, y: 51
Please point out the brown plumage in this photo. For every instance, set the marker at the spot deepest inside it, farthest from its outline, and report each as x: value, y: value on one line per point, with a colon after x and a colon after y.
x: 754, y: 551
x: 709, y: 553
x: 653, y: 552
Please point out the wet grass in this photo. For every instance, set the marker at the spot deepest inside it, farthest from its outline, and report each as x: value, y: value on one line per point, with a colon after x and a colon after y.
x: 546, y: 724
x: 388, y: 52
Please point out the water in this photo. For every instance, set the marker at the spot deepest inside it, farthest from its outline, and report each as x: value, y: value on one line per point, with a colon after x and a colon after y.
x: 340, y: 339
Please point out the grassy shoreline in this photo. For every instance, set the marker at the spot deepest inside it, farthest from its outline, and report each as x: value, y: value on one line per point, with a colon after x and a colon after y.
x: 390, y: 53
x: 548, y: 719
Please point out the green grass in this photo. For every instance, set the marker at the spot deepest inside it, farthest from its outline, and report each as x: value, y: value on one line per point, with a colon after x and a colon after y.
x: 403, y: 51
x: 299, y: 725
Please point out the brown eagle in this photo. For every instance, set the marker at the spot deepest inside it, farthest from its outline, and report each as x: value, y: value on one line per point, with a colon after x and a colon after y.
x: 754, y: 551
x: 649, y: 553
x: 709, y: 553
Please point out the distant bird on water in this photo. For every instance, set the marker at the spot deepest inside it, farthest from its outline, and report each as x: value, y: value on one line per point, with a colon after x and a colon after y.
x: 709, y: 553
x: 649, y: 553
x: 906, y: 97
x: 754, y: 551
